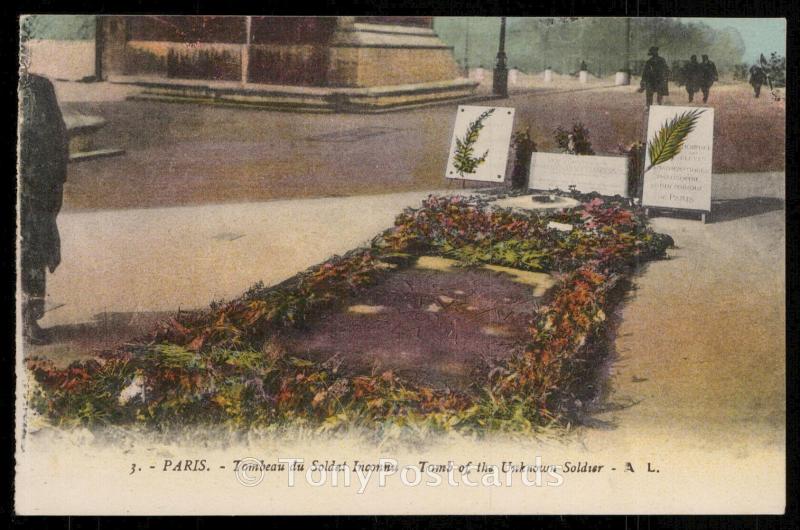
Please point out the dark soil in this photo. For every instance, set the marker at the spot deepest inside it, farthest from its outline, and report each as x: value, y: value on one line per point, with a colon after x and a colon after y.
x: 434, y: 327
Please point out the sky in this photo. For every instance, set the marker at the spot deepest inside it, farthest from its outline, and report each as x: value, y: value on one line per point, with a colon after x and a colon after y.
x: 759, y: 34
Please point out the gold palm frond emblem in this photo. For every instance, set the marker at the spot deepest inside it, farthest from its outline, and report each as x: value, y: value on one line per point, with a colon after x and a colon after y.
x: 668, y: 141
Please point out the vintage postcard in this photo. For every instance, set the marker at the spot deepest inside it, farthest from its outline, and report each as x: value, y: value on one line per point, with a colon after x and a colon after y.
x: 400, y: 265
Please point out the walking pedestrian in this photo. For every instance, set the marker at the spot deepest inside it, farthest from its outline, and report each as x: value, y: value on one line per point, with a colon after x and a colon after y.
x: 709, y: 77
x: 693, y: 75
x: 655, y: 77
x: 758, y: 77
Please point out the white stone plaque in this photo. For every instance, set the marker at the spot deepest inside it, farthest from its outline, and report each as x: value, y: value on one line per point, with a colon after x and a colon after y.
x: 607, y: 175
x: 481, y: 138
x: 678, y: 159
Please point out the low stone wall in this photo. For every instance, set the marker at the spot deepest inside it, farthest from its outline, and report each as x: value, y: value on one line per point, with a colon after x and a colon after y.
x: 294, y: 98
x: 82, y: 132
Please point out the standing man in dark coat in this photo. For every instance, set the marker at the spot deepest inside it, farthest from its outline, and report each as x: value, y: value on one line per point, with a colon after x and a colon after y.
x: 710, y: 75
x: 43, y: 156
x: 693, y: 76
x: 655, y: 77
x: 758, y: 77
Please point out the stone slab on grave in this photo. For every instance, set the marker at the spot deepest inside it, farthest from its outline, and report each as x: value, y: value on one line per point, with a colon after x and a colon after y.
x: 607, y: 175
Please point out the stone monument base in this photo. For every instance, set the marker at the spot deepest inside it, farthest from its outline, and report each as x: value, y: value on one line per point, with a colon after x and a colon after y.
x: 348, y: 64
x: 308, y: 99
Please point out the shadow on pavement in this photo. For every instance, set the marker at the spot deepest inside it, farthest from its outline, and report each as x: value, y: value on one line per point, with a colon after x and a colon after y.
x: 732, y: 209
x: 69, y: 342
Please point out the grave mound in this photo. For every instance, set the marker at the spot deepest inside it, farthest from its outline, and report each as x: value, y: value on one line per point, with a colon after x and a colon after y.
x: 433, y: 323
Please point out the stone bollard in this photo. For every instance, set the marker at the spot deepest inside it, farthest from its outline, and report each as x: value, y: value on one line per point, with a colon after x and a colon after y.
x: 548, y: 76
x: 622, y: 79
x: 583, y: 77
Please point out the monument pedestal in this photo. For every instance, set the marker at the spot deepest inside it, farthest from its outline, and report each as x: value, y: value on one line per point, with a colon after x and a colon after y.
x: 548, y: 76
x: 622, y: 79
x: 583, y: 77
x: 378, y: 55
x: 332, y: 63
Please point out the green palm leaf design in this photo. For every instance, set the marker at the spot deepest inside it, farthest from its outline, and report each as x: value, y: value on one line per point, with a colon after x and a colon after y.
x: 463, y: 159
x: 668, y: 141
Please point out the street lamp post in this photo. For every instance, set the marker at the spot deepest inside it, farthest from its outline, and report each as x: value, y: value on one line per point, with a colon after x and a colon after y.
x: 466, y: 50
x: 624, y: 73
x: 500, y: 81
x: 99, y: 41
x: 248, y: 25
x: 628, y: 44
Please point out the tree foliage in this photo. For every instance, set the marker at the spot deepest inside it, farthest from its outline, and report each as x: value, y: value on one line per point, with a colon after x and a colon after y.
x: 775, y: 67
x: 562, y: 43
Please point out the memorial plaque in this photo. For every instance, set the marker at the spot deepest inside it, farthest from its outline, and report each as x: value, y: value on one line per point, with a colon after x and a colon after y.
x: 607, y: 175
x: 479, y: 149
x: 678, y: 159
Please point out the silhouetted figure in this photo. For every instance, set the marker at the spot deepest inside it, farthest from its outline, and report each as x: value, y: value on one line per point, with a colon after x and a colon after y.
x: 758, y: 77
x: 710, y: 76
x: 635, y: 153
x: 583, y: 66
x: 524, y: 146
x: 693, y: 76
x: 655, y: 77
x: 44, y: 152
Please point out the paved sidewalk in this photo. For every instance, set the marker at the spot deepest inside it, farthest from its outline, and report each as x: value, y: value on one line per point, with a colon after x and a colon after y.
x: 701, y: 346
x: 184, y: 155
x: 162, y: 259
